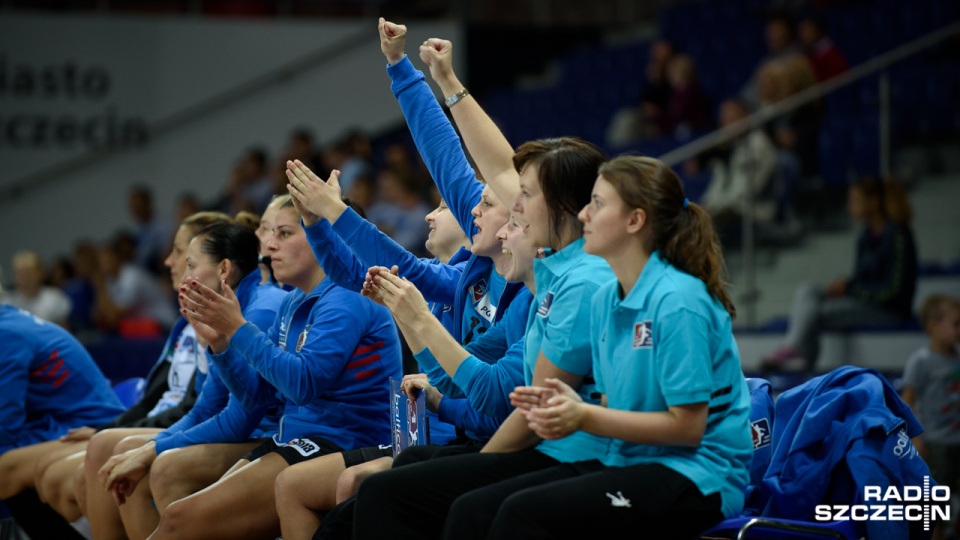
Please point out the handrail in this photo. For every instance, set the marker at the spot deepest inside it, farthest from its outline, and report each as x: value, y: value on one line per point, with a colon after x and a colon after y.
x: 808, y: 95
x: 191, y: 113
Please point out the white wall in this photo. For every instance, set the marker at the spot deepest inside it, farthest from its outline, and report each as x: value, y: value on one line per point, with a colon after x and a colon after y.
x: 154, y: 68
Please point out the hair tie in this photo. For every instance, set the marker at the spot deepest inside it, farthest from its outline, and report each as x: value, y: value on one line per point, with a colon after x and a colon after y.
x: 686, y: 203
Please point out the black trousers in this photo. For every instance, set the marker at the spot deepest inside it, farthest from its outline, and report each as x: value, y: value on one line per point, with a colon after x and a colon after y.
x: 529, y: 495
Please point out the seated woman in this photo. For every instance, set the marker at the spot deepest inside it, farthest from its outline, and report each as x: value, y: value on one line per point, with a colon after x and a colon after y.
x: 50, y: 385
x: 325, y: 363
x: 673, y: 401
x: 880, y: 290
x: 220, y: 255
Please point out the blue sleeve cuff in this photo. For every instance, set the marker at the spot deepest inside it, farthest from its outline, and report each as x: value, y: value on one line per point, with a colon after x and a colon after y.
x: 403, y: 74
x: 427, y: 360
x: 244, y: 337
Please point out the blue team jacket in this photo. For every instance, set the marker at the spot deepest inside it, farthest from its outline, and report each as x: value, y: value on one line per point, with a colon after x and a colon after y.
x: 49, y: 382
x: 832, y: 436
x: 326, y: 362
x: 218, y: 417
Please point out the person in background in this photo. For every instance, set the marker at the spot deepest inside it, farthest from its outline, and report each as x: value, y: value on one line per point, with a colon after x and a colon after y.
x: 825, y: 58
x: 932, y: 389
x: 781, y: 40
x: 151, y: 233
x: 400, y: 209
x: 880, y: 290
x: 49, y: 303
x: 129, y: 300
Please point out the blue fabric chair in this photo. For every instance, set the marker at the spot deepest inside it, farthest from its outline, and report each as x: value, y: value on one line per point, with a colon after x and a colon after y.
x: 129, y: 391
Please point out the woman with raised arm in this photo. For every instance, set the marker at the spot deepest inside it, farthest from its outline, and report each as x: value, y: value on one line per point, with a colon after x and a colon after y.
x: 552, y: 179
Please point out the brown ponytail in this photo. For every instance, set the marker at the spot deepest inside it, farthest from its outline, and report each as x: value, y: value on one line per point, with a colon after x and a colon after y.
x: 682, y: 231
x: 247, y: 219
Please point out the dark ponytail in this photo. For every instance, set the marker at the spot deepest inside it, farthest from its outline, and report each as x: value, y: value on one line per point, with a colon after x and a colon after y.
x: 681, y: 230
x: 234, y: 242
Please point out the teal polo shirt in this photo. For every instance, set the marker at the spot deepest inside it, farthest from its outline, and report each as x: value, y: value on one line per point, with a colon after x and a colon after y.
x: 670, y: 343
x: 559, y: 326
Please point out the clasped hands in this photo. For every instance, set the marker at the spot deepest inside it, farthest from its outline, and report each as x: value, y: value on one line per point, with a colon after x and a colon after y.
x: 553, y: 410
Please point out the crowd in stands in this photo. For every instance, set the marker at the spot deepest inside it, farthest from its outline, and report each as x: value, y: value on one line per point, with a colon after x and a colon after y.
x: 567, y: 312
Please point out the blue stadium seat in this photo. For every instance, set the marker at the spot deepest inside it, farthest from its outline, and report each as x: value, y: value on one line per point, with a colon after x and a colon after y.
x: 130, y: 391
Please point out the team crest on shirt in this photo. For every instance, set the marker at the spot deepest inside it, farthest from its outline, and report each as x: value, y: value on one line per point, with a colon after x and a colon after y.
x: 477, y: 290
x: 303, y: 337
x: 760, y: 432
x: 643, y: 335
x: 544, y: 308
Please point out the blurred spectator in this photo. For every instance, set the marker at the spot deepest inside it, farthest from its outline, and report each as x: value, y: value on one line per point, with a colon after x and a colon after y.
x: 303, y: 145
x: 688, y: 109
x: 745, y: 165
x: 250, y: 186
x: 152, y: 233
x: 880, y: 290
x: 932, y: 388
x: 825, y: 59
x: 30, y: 294
x: 641, y: 120
x: 351, y: 156
x: 399, y: 210
x: 60, y: 272
x: 80, y: 288
x: 796, y: 133
x: 781, y: 45
x: 187, y: 205
x: 129, y: 300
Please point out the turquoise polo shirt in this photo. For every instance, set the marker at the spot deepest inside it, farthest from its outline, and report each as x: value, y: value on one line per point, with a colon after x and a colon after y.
x: 670, y: 343
x: 559, y: 326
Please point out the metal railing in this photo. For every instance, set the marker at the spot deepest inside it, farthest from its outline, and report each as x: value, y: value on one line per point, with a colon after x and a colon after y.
x: 879, y: 63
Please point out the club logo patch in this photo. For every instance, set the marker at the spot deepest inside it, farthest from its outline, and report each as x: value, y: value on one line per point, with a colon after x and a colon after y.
x: 303, y: 338
x: 477, y: 290
x: 643, y: 335
x: 545, y: 306
x: 760, y: 431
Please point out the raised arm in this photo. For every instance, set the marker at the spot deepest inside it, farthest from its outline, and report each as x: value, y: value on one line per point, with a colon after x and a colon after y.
x: 346, y: 245
x: 490, y: 149
x: 436, y: 140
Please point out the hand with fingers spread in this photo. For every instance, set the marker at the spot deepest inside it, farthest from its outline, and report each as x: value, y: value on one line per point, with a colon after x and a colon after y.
x: 437, y: 54
x: 401, y: 297
x: 122, y: 472
x: 418, y: 382
x: 559, y: 415
x: 214, y: 316
x: 312, y: 196
x: 393, y: 37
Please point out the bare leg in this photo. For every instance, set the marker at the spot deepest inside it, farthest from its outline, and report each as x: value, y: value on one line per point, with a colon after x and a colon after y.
x: 304, y: 489
x: 240, y: 505
x: 101, y: 510
x: 80, y: 488
x: 56, y: 484
x: 138, y: 515
x: 17, y: 466
x: 184, y: 471
x: 349, y: 481
x: 52, y: 457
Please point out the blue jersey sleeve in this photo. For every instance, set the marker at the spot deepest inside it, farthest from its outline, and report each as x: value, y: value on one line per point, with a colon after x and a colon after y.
x: 438, y: 376
x: 358, y: 245
x: 459, y: 413
x: 488, y: 386
x: 336, y: 328
x: 14, y: 373
x: 437, y: 142
x: 233, y: 424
